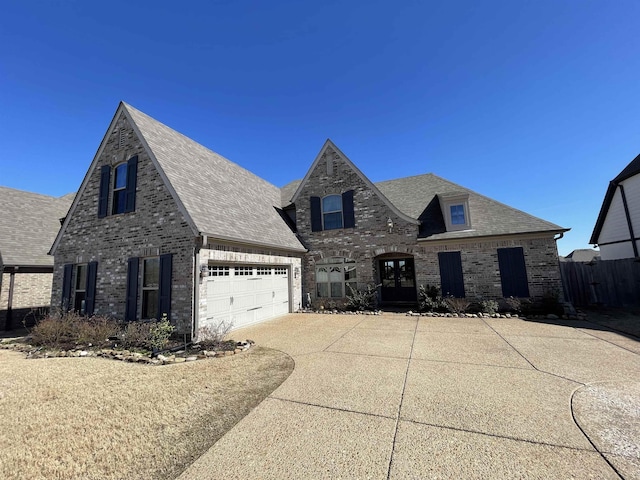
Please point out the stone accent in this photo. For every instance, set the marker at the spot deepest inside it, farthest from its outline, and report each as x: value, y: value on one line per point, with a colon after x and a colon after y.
x: 123, y: 355
x: 156, y: 227
x: 371, y: 239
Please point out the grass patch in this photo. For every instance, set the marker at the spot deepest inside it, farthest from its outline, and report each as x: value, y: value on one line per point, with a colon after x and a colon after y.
x: 93, y: 418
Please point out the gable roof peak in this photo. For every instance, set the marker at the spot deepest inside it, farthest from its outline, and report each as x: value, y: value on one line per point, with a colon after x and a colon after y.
x: 328, y: 144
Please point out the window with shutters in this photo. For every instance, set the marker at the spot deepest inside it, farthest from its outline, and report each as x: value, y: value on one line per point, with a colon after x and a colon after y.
x: 150, y: 287
x: 118, y: 188
x: 79, y: 287
x: 80, y: 292
x: 335, y: 278
x: 332, y: 212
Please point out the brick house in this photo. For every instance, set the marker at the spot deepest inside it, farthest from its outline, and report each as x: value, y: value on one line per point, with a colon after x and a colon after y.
x: 28, y: 225
x: 162, y: 225
x: 416, y: 230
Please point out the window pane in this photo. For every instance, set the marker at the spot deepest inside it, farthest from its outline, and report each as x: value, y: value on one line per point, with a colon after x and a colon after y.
x: 81, y: 277
x: 457, y: 215
x: 336, y: 290
x: 322, y: 275
x: 151, y: 272
x: 150, y: 304
x: 332, y: 203
x: 323, y: 290
x: 118, y: 202
x: 332, y: 220
x: 120, y: 180
x: 352, y: 290
x: 335, y: 274
x: 349, y: 273
x: 79, y: 303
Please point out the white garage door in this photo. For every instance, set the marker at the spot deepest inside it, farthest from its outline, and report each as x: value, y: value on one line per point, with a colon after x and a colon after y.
x: 245, y: 295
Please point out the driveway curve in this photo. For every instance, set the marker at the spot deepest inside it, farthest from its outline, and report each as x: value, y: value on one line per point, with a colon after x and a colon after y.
x: 395, y: 396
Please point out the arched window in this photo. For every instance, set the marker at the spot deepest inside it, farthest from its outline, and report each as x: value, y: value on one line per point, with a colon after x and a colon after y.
x: 335, y: 277
x: 332, y: 212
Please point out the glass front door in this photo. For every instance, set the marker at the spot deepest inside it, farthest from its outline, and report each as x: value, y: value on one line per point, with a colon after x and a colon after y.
x: 398, y: 280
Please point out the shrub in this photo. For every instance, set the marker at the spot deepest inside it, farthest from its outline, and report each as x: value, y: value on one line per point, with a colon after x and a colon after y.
x: 489, y: 306
x: 136, y: 335
x: 457, y: 305
x: 58, y: 332
x: 212, y: 337
x: 513, y: 305
x: 362, y: 299
x: 70, y: 329
x: 159, y: 333
x: 429, y: 300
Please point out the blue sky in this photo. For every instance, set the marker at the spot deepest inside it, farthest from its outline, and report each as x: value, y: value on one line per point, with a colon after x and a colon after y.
x: 532, y: 103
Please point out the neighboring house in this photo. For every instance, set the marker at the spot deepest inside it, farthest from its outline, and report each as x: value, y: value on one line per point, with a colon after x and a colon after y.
x: 617, y: 230
x: 28, y: 225
x: 584, y: 255
x: 162, y: 225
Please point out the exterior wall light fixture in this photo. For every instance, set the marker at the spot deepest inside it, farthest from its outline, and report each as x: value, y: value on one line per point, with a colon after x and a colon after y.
x: 389, y: 224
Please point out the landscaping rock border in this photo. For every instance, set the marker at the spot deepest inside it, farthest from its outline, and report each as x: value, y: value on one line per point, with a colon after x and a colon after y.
x: 122, y: 355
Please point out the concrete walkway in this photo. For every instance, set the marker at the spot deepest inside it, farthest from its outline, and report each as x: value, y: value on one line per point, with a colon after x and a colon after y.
x: 394, y: 396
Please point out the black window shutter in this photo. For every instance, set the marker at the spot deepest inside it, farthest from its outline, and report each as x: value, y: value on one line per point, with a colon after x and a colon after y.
x: 513, y: 272
x: 347, y: 210
x: 103, y: 198
x: 316, y: 215
x: 65, y: 303
x: 451, y: 278
x: 131, y: 309
x: 164, y: 290
x: 132, y: 181
x: 90, y: 295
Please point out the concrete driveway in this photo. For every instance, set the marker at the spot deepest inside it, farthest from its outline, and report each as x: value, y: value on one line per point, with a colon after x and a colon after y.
x: 394, y: 396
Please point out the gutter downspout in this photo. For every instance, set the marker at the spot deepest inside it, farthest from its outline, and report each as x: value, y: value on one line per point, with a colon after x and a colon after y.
x: 564, y: 288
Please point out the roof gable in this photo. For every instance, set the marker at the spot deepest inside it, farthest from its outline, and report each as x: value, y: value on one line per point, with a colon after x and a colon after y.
x: 330, y: 146
x: 217, y: 197
x: 29, y: 223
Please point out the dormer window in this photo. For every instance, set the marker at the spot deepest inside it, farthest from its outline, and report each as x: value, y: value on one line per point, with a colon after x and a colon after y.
x: 455, y: 210
x: 457, y: 214
x: 332, y: 212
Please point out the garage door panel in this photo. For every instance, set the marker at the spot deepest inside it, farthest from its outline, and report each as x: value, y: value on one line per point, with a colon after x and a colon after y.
x: 247, y: 294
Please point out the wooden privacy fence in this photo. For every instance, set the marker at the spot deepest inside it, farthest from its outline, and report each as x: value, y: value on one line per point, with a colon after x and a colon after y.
x: 611, y: 283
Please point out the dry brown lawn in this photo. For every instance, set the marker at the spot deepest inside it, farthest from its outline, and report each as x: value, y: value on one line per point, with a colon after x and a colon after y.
x: 93, y: 418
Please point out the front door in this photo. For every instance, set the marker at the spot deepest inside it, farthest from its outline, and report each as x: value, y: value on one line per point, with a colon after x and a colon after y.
x: 398, y: 280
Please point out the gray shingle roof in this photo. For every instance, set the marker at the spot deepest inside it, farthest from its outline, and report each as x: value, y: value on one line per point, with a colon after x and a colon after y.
x: 416, y: 197
x: 29, y: 223
x: 223, y: 199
